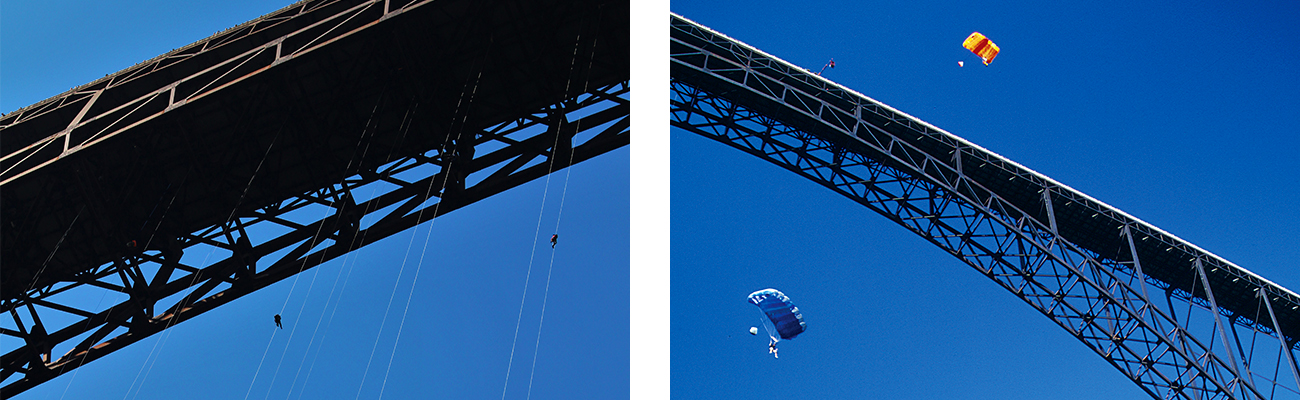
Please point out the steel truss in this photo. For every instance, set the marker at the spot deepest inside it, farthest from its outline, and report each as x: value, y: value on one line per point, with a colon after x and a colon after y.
x: 1220, y: 332
x: 160, y: 288
x: 185, y: 182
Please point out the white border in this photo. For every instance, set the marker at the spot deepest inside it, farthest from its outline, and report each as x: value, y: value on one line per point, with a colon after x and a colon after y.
x: 648, y: 317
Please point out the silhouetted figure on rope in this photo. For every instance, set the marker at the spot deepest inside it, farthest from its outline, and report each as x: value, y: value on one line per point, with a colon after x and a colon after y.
x: 277, y: 321
x: 554, y: 238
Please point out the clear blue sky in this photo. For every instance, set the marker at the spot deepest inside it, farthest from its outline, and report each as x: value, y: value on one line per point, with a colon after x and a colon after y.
x: 456, y: 341
x: 1185, y: 117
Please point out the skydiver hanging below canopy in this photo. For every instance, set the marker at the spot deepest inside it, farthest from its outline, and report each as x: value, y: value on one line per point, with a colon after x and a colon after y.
x: 554, y: 238
x: 980, y: 45
x: 784, y: 318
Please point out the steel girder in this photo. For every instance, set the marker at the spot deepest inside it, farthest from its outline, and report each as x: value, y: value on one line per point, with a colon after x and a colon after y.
x: 1220, y: 332
x: 160, y: 288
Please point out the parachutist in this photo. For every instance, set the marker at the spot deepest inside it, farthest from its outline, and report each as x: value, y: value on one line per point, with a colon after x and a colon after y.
x: 277, y: 321
x: 554, y: 238
x: 980, y: 45
x: 785, y: 318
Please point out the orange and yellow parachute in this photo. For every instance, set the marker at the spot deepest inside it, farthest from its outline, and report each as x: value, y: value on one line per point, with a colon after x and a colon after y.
x: 981, y: 46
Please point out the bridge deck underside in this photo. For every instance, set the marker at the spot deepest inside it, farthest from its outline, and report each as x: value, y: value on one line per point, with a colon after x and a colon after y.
x: 441, y: 68
x: 290, y: 111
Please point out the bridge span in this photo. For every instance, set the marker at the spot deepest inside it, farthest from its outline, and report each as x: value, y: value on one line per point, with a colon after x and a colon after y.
x: 208, y: 173
x: 1178, y: 321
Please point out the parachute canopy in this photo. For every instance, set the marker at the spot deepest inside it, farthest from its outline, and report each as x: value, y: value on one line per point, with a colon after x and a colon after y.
x: 784, y: 315
x: 981, y: 46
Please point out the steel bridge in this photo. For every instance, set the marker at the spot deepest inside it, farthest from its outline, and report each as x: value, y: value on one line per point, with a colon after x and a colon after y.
x: 1176, y: 320
x: 273, y: 126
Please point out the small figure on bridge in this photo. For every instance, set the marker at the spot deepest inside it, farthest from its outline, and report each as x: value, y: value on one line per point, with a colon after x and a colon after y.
x: 134, y: 247
x: 829, y: 64
x: 554, y: 238
x: 277, y: 321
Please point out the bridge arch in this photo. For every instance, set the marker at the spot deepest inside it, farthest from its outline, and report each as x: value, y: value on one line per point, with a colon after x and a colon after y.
x: 1112, y: 293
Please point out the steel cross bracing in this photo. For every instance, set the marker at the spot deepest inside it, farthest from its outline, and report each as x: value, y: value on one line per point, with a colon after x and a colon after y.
x: 1178, y: 321
x: 182, y: 183
x: 199, y: 271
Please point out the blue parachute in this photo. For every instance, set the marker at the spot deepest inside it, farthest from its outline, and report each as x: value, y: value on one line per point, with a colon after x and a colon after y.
x: 784, y: 316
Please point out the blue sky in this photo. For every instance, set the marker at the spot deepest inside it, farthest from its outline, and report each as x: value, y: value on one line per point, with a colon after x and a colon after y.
x: 456, y: 340
x: 1181, y: 115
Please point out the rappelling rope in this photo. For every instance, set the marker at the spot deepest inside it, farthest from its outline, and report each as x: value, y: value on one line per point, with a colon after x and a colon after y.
x: 59, y: 244
x: 36, y: 278
x: 537, y: 232
x: 352, y: 242
x: 447, y: 170
x: 83, y: 359
x: 527, y: 276
x: 423, y: 251
x: 314, y: 241
x: 170, y: 322
x: 149, y: 240
x: 404, y: 128
x: 312, y: 284
x: 563, y: 194
x: 194, y: 277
